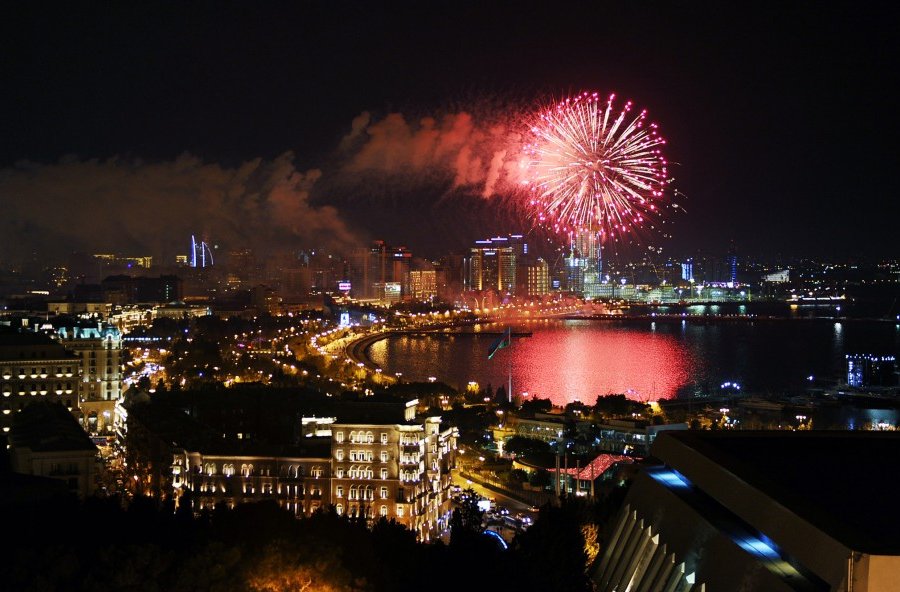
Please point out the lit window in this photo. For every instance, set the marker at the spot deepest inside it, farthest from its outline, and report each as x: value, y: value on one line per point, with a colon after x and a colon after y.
x: 384, y: 473
x: 383, y: 438
x: 339, y: 509
x: 384, y: 493
x: 339, y: 491
x: 382, y: 511
x: 399, y: 511
x: 339, y: 455
x: 384, y: 456
x: 339, y: 437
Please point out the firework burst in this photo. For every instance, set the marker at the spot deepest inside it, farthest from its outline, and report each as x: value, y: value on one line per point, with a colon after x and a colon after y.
x: 593, y: 167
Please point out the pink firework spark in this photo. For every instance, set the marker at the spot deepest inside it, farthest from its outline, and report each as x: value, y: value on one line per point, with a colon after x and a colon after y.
x: 593, y: 167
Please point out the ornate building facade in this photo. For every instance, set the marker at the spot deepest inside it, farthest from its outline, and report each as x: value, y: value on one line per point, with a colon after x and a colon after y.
x: 398, y: 471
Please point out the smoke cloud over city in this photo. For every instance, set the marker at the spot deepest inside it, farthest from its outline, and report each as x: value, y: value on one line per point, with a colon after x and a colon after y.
x: 129, y: 205
x: 120, y: 204
x: 475, y: 154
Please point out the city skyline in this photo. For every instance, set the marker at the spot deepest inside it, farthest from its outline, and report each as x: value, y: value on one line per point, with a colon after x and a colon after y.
x: 140, y: 126
x: 379, y: 297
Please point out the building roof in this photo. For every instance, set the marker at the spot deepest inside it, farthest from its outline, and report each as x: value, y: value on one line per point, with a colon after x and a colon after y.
x: 27, y: 345
x: 368, y: 412
x: 840, y: 482
x: 24, y: 338
x: 596, y: 467
x: 307, y: 448
x: 48, y: 427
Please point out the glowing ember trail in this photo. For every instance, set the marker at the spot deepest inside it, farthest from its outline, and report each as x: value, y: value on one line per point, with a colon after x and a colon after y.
x: 593, y: 167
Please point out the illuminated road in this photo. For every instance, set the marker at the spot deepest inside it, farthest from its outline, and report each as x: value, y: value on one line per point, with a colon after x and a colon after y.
x: 514, y: 505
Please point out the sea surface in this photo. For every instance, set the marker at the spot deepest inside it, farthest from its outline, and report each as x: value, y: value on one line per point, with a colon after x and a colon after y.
x: 762, y: 349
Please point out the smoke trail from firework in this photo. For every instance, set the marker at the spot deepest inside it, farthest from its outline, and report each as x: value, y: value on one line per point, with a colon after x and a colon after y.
x: 593, y: 167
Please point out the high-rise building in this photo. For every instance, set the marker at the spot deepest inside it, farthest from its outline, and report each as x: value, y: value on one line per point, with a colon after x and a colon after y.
x: 538, y: 278
x: 583, y: 264
x: 123, y: 261
x: 378, y: 268
x: 493, y: 266
x: 371, y: 268
x: 401, y: 259
x: 687, y: 270
x: 731, y: 266
x: 201, y: 254
x: 519, y: 247
x: 423, y: 284
x: 358, y: 272
x: 241, y: 268
x: 450, y: 276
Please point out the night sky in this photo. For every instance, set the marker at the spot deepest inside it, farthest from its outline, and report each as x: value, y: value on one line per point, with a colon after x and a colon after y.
x: 782, y: 120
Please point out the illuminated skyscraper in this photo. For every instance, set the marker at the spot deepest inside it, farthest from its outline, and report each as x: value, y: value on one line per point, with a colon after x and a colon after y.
x: 492, y: 266
x: 538, y: 278
x: 400, y: 261
x: 423, y: 284
x: 731, y: 266
x: 584, y: 264
x: 687, y: 270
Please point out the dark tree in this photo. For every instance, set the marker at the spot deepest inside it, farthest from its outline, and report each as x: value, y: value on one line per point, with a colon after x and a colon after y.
x: 467, y: 518
x: 523, y: 445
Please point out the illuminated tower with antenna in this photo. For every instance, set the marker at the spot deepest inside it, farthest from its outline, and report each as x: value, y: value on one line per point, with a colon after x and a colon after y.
x: 584, y: 263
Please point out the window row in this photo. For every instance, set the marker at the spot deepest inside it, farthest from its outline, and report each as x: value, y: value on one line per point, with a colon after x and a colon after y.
x: 229, y: 488
x: 42, y: 390
x: 7, y: 373
x: 354, y: 511
x: 359, y: 473
x: 361, y: 455
x: 361, y: 437
x: 360, y: 492
x: 247, y: 470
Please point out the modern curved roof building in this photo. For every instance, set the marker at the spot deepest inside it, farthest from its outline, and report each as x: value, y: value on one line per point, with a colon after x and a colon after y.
x: 768, y: 511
